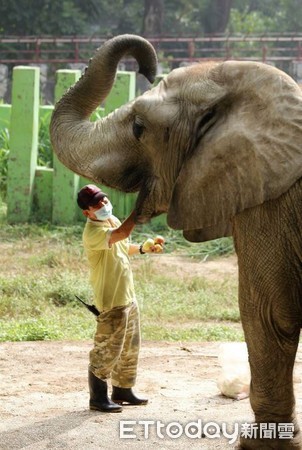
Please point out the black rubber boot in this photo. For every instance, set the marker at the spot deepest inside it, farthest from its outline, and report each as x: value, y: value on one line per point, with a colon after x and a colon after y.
x: 99, y: 400
x: 125, y: 395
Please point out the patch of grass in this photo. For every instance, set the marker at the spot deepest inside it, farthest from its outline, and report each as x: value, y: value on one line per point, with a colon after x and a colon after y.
x: 201, y: 332
x: 169, y: 298
x: 67, y: 324
x: 29, y: 330
x: 46, y: 232
x: 164, y: 298
x: 36, y: 295
x: 43, y: 267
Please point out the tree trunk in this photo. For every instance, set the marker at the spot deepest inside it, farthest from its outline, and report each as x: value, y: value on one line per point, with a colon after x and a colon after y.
x: 153, y: 18
x: 218, y: 16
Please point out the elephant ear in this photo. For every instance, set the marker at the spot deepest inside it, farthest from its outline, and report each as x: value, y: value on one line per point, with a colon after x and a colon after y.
x: 251, y: 153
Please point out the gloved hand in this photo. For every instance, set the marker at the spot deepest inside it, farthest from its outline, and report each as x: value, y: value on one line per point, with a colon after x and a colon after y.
x: 153, y: 245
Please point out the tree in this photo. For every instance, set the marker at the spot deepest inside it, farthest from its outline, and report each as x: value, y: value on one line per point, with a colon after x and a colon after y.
x: 218, y: 13
x: 41, y: 17
x: 130, y: 17
x: 260, y: 16
x: 153, y: 18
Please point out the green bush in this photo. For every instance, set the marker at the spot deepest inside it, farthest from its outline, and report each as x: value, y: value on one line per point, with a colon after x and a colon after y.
x: 4, y: 153
x: 45, y: 154
x: 28, y: 330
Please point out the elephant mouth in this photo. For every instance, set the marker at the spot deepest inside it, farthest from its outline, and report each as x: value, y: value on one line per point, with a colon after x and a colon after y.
x: 147, y: 201
x: 133, y: 179
x: 139, y: 178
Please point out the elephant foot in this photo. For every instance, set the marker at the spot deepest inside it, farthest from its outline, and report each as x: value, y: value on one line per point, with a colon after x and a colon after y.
x: 294, y: 443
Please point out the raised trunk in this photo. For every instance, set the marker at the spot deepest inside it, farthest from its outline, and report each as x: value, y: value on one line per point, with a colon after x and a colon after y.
x: 80, y: 144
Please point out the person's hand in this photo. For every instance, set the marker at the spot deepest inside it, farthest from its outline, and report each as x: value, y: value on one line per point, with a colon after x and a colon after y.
x: 153, y: 245
x: 159, y: 243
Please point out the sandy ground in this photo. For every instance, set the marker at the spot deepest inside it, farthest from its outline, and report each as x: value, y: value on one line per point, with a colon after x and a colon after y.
x: 44, y: 398
x: 44, y: 394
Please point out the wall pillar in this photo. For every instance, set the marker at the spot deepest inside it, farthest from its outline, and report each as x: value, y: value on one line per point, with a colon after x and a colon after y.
x: 24, y: 128
x: 65, y: 182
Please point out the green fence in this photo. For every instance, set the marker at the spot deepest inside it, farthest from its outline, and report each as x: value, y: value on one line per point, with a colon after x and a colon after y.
x: 36, y: 193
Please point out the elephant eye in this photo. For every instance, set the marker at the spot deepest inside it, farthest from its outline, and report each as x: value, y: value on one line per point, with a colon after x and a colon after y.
x: 138, y: 128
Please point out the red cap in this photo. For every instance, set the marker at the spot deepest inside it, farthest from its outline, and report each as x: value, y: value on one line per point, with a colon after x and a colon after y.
x: 89, y: 195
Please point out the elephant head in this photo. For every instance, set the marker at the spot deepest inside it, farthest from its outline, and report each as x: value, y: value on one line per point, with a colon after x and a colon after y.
x: 209, y: 141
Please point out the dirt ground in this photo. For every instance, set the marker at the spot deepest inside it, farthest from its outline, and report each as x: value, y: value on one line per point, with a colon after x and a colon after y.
x: 44, y: 393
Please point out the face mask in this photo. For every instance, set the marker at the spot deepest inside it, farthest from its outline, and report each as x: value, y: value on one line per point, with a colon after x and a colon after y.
x: 104, y: 212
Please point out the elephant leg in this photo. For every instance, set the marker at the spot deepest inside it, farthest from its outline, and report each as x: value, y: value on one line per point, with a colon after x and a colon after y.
x: 271, y: 391
x: 269, y: 302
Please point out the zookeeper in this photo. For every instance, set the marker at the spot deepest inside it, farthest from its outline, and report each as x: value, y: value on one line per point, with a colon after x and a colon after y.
x: 117, y: 339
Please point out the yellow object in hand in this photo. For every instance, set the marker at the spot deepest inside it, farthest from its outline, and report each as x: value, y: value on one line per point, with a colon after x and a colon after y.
x: 158, y: 248
x: 159, y: 240
x: 153, y: 245
x: 147, y: 245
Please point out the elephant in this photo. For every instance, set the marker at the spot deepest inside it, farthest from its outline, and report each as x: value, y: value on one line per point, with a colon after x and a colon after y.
x: 217, y: 146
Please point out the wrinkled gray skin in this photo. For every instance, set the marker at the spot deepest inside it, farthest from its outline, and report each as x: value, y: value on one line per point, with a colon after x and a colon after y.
x: 218, y: 146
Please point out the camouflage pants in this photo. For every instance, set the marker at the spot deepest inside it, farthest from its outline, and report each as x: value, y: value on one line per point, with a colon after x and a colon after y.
x: 116, y: 346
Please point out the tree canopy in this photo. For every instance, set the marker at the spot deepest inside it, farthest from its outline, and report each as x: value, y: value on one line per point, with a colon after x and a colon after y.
x: 153, y: 18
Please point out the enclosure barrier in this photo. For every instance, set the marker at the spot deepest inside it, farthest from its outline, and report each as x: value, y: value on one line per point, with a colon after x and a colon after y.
x: 36, y: 193
x: 269, y: 48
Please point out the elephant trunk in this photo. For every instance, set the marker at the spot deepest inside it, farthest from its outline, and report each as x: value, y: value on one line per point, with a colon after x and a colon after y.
x: 80, y: 144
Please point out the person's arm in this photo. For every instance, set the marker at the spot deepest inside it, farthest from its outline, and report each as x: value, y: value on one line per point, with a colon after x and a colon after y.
x: 149, y: 246
x: 124, y: 230
x: 134, y: 249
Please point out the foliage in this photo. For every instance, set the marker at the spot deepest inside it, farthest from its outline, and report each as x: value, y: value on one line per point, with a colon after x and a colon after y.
x: 262, y: 16
x: 289, y: 16
x: 176, y: 18
x: 35, y: 17
x: 185, y: 18
x: 45, y: 154
x: 180, y: 17
x: 4, y: 152
x: 28, y: 330
x: 247, y: 23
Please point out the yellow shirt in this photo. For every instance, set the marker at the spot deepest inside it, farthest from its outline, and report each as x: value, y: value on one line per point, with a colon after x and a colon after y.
x: 110, y: 271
